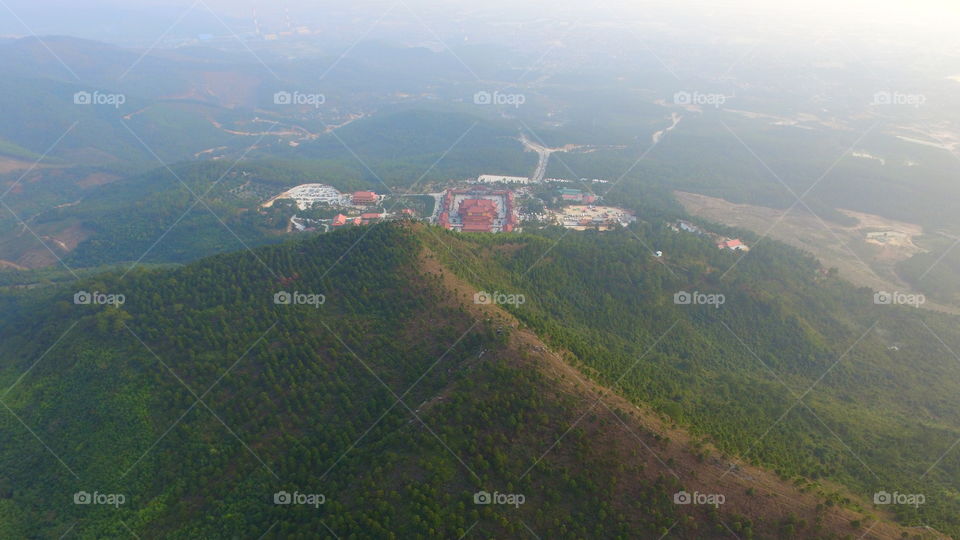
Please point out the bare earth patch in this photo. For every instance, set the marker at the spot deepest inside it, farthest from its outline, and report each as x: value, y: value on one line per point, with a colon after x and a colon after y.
x: 865, y: 254
x: 10, y: 165
x: 10, y: 265
x: 98, y: 179
x: 27, y: 252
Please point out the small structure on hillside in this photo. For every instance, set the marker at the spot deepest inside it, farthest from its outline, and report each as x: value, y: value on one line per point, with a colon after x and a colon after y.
x: 575, y: 195
x: 733, y: 244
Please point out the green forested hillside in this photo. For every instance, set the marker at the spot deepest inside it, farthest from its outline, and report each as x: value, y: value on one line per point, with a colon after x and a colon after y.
x: 936, y: 271
x: 199, y: 397
x: 124, y: 219
x: 406, y: 145
x: 878, y: 382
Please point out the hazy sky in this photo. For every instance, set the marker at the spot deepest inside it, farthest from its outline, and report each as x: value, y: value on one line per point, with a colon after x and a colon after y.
x: 891, y: 9
x: 910, y: 20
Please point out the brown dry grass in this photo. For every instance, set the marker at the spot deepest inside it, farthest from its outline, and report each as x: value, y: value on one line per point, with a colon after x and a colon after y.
x: 861, y: 262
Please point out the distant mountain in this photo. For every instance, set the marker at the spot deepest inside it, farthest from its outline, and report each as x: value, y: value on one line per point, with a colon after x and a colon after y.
x: 99, y: 65
x: 141, y: 23
x: 128, y: 107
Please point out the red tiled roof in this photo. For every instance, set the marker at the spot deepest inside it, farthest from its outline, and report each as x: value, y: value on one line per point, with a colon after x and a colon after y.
x: 364, y: 197
x: 477, y: 206
x: 477, y: 215
x: 730, y: 244
x: 482, y: 226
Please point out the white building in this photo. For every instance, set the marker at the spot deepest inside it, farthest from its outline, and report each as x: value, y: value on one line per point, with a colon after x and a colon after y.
x: 498, y: 179
x: 306, y: 195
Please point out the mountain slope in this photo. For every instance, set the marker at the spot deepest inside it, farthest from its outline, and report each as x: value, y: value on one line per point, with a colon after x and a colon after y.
x: 795, y: 370
x: 200, y: 398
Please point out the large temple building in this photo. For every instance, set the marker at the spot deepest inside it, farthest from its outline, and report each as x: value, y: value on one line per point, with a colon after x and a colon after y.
x: 478, y: 210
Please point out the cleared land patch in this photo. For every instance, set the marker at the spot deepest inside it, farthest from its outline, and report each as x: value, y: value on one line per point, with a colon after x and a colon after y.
x: 866, y: 253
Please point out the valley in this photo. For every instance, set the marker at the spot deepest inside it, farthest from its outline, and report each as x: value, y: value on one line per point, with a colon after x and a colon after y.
x: 462, y: 271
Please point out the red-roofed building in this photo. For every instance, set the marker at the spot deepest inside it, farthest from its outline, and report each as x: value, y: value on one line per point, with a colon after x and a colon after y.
x: 364, y: 197
x: 370, y: 216
x: 733, y: 244
x: 478, y: 210
x: 478, y: 215
x: 340, y: 220
x: 357, y: 221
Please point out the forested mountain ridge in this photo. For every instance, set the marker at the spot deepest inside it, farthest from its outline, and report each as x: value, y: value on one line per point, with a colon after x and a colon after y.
x: 397, y: 398
x: 795, y: 369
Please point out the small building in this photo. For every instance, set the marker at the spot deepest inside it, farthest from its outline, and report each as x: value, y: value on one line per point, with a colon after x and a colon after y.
x: 370, y: 218
x: 364, y: 197
x: 307, y: 195
x: 686, y: 226
x: 340, y: 220
x: 499, y: 179
x: 569, y: 194
x: 733, y: 244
